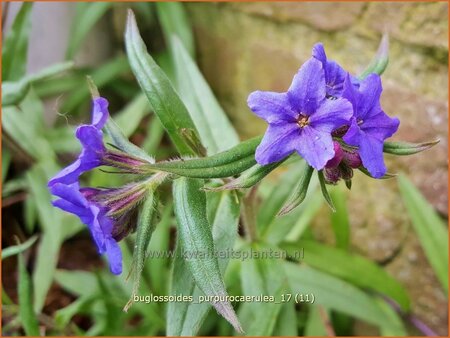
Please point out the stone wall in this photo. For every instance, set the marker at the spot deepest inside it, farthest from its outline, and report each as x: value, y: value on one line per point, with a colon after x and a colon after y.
x: 244, y: 47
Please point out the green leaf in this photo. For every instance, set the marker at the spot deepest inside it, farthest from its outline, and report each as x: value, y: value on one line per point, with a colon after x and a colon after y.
x: 340, y: 220
x: 196, y: 239
x: 431, y: 230
x: 87, y: 15
x: 16, y: 249
x: 224, y: 231
x: 122, y: 142
x: 14, y: 92
x: 50, y: 221
x: 249, y: 178
x: 299, y: 193
x: 335, y: 294
x: 385, y: 177
x: 342, y: 264
x: 263, y: 277
x: 215, y: 130
x: 78, y: 283
x: 406, y: 148
x: 324, y: 190
x: 287, y: 321
x: 25, y: 292
x: 226, y: 170
x: 380, y: 60
x: 162, y: 96
x: 174, y: 22
x: 25, y: 134
x: 15, y: 46
x: 64, y: 316
x: 145, y: 227
x: 315, y: 326
x: 241, y: 151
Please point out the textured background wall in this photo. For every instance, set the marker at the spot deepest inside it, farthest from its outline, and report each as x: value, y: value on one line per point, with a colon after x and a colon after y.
x: 247, y: 46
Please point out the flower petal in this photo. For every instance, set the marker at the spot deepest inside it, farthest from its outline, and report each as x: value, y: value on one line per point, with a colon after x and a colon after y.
x: 278, y: 142
x: 353, y: 135
x: 308, y: 87
x: 380, y: 126
x: 271, y: 106
x: 318, y: 52
x: 371, y: 152
x: 331, y: 115
x: 370, y: 90
x: 99, y: 112
x: 316, y: 147
x: 334, y: 78
x: 91, y: 156
x: 114, y: 256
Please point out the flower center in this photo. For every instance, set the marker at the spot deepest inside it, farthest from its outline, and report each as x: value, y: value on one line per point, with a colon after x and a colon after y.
x: 302, y: 120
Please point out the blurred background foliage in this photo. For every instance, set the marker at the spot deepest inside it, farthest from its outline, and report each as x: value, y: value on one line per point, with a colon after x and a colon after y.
x: 54, y: 283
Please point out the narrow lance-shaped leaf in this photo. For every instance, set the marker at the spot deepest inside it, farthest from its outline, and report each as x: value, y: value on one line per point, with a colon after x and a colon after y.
x: 15, y: 46
x: 196, y: 239
x: 385, y: 177
x: 174, y: 21
x: 299, y: 193
x: 145, y: 228
x: 238, y: 152
x: 266, y: 277
x: 431, y: 230
x: 226, y: 170
x: 26, y: 313
x: 16, y: 249
x: 343, y: 264
x: 162, y: 96
x: 14, y: 92
x: 342, y: 296
x: 340, y: 219
x: 406, y: 148
x: 380, y: 60
x: 323, y: 188
x: 87, y: 15
x: 224, y: 231
x: 215, y: 130
x: 249, y: 178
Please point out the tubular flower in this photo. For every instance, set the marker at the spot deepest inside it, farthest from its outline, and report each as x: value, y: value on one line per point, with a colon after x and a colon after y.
x: 370, y: 125
x: 302, y: 119
x: 108, y: 213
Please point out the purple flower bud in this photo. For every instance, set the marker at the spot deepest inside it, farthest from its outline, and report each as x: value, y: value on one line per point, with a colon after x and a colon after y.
x: 338, y: 155
x: 352, y: 159
x: 346, y: 172
x: 332, y: 175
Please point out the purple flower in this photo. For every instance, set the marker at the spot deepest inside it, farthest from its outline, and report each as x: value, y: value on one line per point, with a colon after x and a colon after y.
x: 334, y: 73
x: 301, y: 120
x: 91, y: 139
x: 370, y: 126
x: 108, y: 213
x: 94, y: 216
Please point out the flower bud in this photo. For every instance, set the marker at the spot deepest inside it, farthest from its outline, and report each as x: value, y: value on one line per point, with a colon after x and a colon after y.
x: 352, y: 159
x: 338, y: 155
x: 332, y: 175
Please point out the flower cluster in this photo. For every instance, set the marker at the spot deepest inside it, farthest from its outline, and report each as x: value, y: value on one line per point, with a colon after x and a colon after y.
x: 332, y: 119
x: 108, y: 213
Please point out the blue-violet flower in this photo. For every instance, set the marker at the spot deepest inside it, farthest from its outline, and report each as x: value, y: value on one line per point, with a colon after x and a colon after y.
x: 108, y: 213
x: 370, y: 125
x: 302, y: 119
